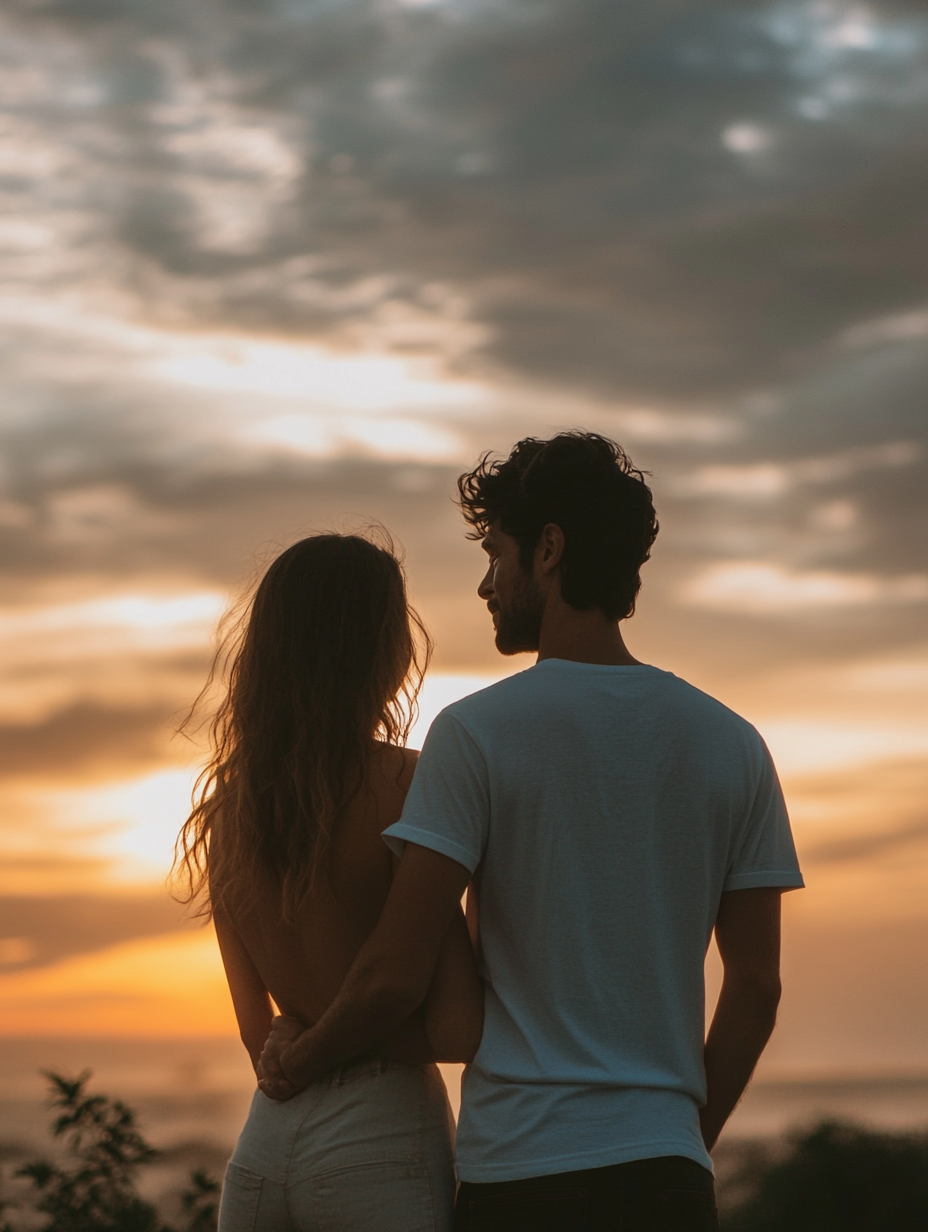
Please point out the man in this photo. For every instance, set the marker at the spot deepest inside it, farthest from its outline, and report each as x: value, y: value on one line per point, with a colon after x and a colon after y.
x: 611, y: 816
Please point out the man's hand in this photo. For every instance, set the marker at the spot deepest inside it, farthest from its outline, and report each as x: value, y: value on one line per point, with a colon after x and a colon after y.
x: 272, y: 1077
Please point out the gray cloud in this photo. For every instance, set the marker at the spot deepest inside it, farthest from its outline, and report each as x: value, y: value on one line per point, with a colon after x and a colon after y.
x: 710, y: 210
x: 638, y: 198
x: 85, y: 738
x: 50, y: 928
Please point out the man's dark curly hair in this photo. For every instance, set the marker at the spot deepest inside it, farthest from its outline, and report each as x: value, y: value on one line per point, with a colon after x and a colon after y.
x: 588, y: 486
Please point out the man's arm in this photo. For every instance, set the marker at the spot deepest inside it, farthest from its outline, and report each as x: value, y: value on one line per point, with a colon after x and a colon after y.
x: 388, y: 980
x: 748, y: 935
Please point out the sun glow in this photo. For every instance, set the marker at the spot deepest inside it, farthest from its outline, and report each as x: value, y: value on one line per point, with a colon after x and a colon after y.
x: 361, y: 382
x: 142, y: 818
x: 161, y: 986
x: 323, y: 435
x: 806, y: 746
x: 173, y: 619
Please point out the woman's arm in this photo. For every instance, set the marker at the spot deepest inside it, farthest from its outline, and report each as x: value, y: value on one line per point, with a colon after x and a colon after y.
x: 250, y: 998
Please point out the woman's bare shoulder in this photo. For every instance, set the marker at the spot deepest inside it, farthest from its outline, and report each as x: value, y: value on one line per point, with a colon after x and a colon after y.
x: 410, y: 757
x: 393, y: 770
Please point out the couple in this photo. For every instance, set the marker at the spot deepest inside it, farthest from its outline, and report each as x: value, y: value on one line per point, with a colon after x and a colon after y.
x: 603, y: 816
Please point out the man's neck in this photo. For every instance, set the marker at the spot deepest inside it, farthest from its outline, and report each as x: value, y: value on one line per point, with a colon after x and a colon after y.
x: 582, y: 637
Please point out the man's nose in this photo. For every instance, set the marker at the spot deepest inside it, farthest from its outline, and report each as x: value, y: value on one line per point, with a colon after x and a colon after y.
x: 485, y: 589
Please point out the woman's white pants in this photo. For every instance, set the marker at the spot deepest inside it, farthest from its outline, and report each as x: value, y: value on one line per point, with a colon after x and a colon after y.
x: 366, y: 1149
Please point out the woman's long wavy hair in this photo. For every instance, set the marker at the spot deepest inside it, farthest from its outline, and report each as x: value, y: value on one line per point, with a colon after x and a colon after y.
x: 326, y: 659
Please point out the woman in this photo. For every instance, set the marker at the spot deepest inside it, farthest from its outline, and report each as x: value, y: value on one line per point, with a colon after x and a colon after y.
x: 283, y: 849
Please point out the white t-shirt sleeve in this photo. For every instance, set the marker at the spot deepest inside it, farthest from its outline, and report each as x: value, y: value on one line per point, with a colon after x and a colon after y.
x: 762, y: 851
x: 448, y: 805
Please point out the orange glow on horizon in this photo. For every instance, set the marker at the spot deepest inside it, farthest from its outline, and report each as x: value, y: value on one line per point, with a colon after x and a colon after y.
x: 169, y: 986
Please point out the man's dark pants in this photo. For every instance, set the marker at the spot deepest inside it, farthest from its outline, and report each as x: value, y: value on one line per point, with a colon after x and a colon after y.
x: 669, y: 1194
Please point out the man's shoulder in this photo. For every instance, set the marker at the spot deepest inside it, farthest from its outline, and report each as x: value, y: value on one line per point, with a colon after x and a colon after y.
x: 487, y: 704
x: 698, y: 705
x: 508, y: 704
x: 725, y: 736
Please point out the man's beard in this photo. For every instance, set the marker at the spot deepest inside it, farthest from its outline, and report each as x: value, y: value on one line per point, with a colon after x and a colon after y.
x: 518, y: 624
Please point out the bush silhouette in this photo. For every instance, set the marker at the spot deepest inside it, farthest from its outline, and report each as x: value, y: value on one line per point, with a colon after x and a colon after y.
x: 839, y: 1178
x: 97, y: 1192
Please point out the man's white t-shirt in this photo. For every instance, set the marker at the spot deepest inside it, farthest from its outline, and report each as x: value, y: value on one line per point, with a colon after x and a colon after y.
x: 603, y: 811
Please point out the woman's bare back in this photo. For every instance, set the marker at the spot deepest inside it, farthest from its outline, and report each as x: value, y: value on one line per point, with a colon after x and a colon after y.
x: 302, y: 965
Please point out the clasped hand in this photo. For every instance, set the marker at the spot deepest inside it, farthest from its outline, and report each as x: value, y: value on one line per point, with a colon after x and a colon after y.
x: 272, y: 1076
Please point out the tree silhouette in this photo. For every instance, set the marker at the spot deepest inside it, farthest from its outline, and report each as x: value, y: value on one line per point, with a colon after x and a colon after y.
x: 838, y: 1178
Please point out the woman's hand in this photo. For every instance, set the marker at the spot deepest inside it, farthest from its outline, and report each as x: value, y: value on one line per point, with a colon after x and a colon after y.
x: 272, y: 1079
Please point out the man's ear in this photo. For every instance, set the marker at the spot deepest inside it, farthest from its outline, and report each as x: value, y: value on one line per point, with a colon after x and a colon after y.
x: 550, y: 549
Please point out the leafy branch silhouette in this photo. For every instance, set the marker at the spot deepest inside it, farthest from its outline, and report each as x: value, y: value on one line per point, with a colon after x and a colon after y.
x: 97, y: 1192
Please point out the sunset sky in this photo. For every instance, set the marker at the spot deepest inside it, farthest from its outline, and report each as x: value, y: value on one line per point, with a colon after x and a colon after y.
x: 281, y: 267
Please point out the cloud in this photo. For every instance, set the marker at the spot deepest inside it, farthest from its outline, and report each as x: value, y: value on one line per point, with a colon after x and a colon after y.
x: 765, y: 480
x: 901, y: 327
x: 45, y: 872
x: 867, y: 846
x: 534, y: 197
x: 167, y: 621
x: 309, y: 374
x: 762, y: 589
x: 894, y: 675
x: 558, y: 173
x: 539, y: 196
x: 313, y: 259
x: 39, y: 931
x: 86, y: 740
x: 814, y: 745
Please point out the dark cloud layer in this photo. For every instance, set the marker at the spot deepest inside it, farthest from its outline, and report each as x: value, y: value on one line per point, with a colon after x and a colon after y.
x: 60, y: 926
x: 86, y: 739
x: 710, y: 210
x: 646, y: 198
